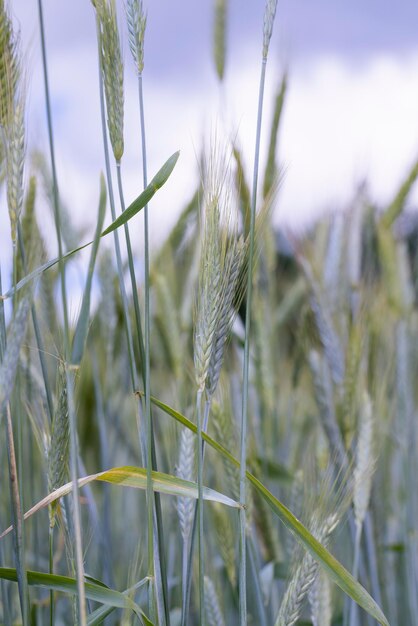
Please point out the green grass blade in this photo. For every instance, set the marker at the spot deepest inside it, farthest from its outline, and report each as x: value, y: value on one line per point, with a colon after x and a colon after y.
x: 135, y: 477
x: 97, y: 617
x: 270, y: 174
x: 396, y: 206
x: 242, y: 189
x: 83, y: 319
x: 95, y: 591
x: 157, y: 182
x: 334, y: 569
x: 143, y: 199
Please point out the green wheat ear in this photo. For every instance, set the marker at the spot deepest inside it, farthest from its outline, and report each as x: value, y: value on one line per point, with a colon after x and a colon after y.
x: 12, y: 117
x: 59, y: 448
x: 219, y: 36
x: 112, y: 70
x: 137, y: 22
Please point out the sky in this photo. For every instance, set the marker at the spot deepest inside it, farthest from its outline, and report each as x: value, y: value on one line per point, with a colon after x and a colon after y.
x: 350, y: 114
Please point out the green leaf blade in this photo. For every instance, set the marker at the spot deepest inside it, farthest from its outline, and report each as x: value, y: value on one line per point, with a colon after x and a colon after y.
x: 334, y: 569
x: 143, y: 199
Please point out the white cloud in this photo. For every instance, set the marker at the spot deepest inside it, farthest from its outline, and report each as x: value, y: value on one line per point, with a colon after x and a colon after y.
x: 341, y: 123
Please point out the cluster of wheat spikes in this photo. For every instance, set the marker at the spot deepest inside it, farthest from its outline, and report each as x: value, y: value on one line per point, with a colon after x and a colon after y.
x: 254, y: 390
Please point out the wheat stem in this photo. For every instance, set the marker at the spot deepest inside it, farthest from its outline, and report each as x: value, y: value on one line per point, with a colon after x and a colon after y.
x: 70, y: 380
x: 18, y: 524
x: 4, y: 594
x: 244, y: 414
x: 199, y: 399
x: 150, y: 493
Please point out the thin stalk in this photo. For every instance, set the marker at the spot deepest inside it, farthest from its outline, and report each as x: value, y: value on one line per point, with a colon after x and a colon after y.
x: 76, y: 498
x: 15, y: 470
x: 255, y: 569
x: 57, y: 216
x: 17, y: 458
x: 200, y: 506
x: 370, y: 545
x: 150, y: 493
x: 18, y: 531
x: 184, y: 576
x: 244, y: 415
x: 70, y: 379
x: 131, y: 266
x: 150, y: 442
x: 119, y: 264
x: 353, y: 605
x: 2, y: 324
x: 107, y: 550
x: 4, y: 594
x: 128, y: 326
x: 51, y: 571
x: 187, y: 569
x: 48, y: 394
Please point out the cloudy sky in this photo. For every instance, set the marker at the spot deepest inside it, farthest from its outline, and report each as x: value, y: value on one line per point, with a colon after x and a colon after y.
x: 351, y: 111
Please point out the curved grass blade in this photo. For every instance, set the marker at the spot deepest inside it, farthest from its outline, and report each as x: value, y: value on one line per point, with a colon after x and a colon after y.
x: 334, y: 569
x: 83, y: 319
x: 143, y: 199
x: 397, y: 205
x: 271, y: 171
x: 135, y: 477
x: 96, y: 591
x: 97, y: 617
x: 157, y: 182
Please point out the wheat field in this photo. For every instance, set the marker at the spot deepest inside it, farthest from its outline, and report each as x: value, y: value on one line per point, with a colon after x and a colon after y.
x: 226, y: 432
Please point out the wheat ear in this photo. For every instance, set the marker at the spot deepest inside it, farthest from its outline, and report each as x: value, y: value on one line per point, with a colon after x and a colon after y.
x: 212, y: 607
x: 319, y: 597
x: 137, y: 22
x: 112, y: 71
x: 59, y: 448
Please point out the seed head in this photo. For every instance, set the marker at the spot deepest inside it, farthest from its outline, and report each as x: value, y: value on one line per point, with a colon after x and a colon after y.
x: 137, y: 21
x: 112, y: 70
x: 269, y: 15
